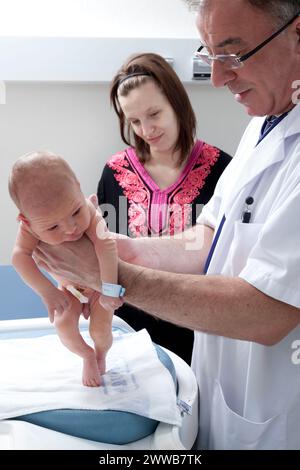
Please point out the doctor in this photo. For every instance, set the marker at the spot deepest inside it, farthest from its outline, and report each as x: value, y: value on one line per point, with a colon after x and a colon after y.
x: 246, y: 310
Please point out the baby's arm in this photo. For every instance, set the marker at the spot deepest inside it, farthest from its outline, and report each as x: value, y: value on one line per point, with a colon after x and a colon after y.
x: 28, y: 270
x: 107, y: 254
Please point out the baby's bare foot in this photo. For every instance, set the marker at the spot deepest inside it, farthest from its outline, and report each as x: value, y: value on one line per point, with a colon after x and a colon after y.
x: 90, y: 373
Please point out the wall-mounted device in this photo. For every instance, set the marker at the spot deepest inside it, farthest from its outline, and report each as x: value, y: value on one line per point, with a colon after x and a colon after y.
x: 201, y: 70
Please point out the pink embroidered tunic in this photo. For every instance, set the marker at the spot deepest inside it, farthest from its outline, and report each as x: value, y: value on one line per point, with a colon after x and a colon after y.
x: 149, y: 210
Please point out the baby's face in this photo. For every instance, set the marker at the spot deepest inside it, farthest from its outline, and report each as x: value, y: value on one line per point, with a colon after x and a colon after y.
x: 63, y: 222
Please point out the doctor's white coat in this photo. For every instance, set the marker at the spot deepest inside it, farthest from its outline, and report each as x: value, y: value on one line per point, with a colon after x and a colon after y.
x: 249, y: 393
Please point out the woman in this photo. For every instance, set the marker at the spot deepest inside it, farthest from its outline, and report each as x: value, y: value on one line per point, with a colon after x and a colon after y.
x: 164, y: 177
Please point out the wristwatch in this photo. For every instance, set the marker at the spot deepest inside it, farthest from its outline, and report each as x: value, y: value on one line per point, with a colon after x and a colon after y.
x: 112, y: 290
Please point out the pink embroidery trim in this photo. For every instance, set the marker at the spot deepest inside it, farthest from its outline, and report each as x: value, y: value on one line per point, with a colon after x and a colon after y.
x: 179, y: 210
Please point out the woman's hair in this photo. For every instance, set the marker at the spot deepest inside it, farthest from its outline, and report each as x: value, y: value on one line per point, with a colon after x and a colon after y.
x: 140, y: 69
x: 280, y: 10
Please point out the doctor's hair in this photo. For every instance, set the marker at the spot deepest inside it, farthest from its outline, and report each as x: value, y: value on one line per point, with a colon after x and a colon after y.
x: 280, y: 10
x: 36, y: 175
x: 147, y: 67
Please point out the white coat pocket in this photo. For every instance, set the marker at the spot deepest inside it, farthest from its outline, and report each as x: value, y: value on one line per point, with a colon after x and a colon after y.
x: 244, y: 238
x: 230, y: 431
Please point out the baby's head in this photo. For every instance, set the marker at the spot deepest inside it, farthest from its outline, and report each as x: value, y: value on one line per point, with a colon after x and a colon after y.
x: 48, y: 196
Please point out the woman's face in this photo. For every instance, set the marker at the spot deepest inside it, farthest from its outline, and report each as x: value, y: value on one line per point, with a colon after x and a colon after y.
x: 151, y: 117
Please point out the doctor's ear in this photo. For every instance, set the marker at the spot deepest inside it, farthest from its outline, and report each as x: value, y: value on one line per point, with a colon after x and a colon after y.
x: 298, y: 30
x: 21, y: 218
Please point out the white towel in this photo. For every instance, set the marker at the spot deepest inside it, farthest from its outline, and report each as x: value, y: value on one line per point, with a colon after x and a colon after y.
x: 38, y: 374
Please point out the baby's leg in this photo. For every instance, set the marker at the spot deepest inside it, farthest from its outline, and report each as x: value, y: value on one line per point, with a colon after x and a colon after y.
x: 69, y: 334
x: 100, y: 330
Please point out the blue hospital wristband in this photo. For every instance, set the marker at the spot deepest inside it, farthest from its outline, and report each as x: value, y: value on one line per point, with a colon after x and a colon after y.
x: 112, y: 290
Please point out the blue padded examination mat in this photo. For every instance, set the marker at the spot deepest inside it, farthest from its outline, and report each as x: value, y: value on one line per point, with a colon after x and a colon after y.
x: 108, y: 426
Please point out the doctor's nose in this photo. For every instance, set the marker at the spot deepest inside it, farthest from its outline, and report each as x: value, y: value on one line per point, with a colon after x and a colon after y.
x: 220, y: 74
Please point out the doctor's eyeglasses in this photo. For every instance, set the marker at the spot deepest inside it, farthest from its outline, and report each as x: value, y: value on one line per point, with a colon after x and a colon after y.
x: 232, y: 61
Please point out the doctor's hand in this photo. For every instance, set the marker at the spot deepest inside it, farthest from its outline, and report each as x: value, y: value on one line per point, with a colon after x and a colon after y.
x: 75, y: 261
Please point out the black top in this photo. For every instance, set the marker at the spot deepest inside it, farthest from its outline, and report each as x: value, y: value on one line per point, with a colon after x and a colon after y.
x: 140, y: 208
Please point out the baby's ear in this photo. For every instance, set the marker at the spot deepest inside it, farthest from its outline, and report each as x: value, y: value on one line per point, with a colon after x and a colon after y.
x: 21, y: 218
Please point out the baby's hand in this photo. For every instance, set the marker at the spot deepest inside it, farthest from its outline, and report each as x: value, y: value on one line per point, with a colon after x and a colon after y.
x: 56, y: 301
x: 110, y: 303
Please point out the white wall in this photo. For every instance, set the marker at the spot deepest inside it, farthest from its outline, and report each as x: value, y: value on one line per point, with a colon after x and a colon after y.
x: 77, y: 122
x: 97, y: 18
x: 86, y: 59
